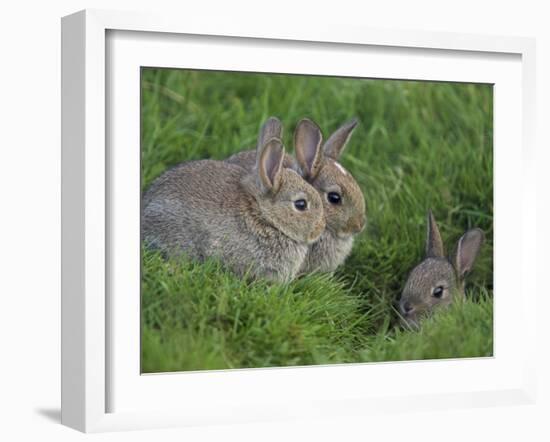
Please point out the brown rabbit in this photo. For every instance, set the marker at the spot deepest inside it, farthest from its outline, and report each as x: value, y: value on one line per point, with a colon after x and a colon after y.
x: 343, y: 201
x: 437, y: 280
x: 257, y: 222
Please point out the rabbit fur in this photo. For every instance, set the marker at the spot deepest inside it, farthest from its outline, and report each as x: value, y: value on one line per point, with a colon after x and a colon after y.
x: 246, y: 218
x: 319, y: 165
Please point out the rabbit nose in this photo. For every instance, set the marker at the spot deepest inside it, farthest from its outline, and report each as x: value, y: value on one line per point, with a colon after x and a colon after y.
x: 362, y: 223
x: 357, y: 225
x: 407, y: 307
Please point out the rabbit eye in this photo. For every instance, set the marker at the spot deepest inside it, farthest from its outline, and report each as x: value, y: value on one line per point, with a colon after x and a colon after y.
x: 438, y: 292
x: 300, y: 205
x: 334, y: 198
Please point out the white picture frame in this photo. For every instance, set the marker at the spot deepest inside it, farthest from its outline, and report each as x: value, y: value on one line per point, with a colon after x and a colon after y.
x: 89, y: 349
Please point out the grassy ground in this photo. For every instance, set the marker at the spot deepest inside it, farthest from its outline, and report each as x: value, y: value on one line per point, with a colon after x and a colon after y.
x: 420, y: 145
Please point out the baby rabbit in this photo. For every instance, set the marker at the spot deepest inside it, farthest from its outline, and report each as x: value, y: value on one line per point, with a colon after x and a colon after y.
x: 437, y: 280
x: 258, y: 222
x: 343, y: 201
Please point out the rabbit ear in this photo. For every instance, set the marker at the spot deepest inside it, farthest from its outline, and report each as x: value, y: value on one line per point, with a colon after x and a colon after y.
x: 434, y: 245
x: 467, y: 251
x: 336, y: 143
x: 272, y: 128
x: 307, y: 143
x: 270, y: 165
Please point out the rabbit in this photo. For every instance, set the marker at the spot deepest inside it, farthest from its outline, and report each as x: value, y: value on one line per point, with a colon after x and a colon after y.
x: 258, y: 223
x: 437, y: 280
x: 343, y: 201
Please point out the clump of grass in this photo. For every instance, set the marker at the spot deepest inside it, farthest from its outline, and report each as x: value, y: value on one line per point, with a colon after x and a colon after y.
x: 419, y: 145
x: 198, y: 316
x: 463, y: 330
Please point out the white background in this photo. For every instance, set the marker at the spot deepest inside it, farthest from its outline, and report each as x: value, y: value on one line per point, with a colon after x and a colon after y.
x: 30, y: 216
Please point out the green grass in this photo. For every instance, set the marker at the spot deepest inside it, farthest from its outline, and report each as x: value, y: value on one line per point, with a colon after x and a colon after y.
x: 420, y: 145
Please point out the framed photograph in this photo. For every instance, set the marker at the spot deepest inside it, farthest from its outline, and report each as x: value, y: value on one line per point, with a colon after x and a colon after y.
x: 271, y: 223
